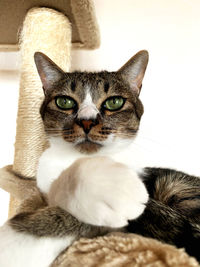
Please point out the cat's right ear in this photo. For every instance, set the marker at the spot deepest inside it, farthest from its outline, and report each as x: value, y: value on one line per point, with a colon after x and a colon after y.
x: 49, y: 72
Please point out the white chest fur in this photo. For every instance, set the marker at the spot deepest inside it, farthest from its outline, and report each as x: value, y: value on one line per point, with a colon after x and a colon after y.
x: 53, y: 161
x: 60, y: 155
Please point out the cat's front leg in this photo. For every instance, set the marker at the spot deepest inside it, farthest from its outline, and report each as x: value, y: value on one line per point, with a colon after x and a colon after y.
x: 36, y: 238
x: 100, y: 191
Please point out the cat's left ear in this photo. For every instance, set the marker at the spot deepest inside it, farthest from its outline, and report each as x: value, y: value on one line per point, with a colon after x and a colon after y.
x: 133, y: 71
x: 49, y: 72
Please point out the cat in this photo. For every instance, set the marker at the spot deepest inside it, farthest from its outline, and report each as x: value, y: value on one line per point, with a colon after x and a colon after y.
x: 91, y: 120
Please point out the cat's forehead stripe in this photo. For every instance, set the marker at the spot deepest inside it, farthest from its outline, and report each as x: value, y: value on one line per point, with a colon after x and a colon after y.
x: 73, y: 86
x: 106, y: 87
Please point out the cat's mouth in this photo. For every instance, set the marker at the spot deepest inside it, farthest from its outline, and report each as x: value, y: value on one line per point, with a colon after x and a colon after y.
x: 87, y: 146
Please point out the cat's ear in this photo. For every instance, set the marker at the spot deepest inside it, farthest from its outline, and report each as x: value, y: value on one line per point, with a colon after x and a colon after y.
x: 133, y: 71
x: 49, y: 72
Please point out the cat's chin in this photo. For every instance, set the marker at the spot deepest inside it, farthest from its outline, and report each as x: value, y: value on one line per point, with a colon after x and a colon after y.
x: 88, y: 147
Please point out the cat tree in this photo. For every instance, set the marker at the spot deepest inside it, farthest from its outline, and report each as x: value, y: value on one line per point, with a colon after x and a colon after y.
x: 53, y: 27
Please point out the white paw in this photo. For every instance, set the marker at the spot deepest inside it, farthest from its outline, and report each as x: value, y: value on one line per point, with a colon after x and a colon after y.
x: 100, y: 191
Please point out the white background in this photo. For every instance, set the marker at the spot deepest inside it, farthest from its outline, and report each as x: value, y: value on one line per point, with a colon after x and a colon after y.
x: 170, y: 31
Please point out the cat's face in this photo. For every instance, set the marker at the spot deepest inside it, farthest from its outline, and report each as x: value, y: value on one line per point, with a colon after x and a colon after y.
x: 92, y: 110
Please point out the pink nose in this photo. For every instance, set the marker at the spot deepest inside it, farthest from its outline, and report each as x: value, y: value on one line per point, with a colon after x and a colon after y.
x: 87, y: 124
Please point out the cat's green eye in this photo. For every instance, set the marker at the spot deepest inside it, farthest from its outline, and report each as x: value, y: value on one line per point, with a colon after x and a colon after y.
x: 114, y: 103
x: 65, y: 102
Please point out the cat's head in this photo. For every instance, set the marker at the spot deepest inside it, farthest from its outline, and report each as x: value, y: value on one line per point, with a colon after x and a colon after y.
x: 92, y: 110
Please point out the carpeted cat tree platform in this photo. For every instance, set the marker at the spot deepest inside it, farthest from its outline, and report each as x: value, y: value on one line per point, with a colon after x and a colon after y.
x: 53, y: 27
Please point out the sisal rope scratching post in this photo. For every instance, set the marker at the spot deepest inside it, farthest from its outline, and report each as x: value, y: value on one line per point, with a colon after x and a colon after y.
x: 48, y: 31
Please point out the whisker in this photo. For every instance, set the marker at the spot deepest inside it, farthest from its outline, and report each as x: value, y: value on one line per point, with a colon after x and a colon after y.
x: 54, y: 135
x: 146, y: 137
x: 66, y: 136
x: 142, y: 147
x: 125, y: 134
x: 141, y: 137
x: 57, y: 129
x: 155, y: 142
